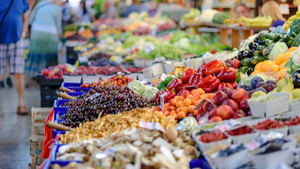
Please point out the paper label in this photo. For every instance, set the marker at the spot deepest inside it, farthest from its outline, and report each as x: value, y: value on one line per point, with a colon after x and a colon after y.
x: 93, y: 96
x: 151, y: 126
x: 228, y: 125
x: 150, y: 47
x: 284, y: 8
x: 162, y: 101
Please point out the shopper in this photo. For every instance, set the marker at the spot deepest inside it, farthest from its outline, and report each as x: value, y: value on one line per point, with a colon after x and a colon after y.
x: 45, y: 22
x: 144, y: 6
x: 272, y: 9
x: 242, y: 10
x: 84, y: 14
x: 111, y: 11
x: 66, y: 14
x: 131, y: 8
x: 13, y: 25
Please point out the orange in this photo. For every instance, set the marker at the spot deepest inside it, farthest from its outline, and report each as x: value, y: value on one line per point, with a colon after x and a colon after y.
x: 173, y: 102
x: 279, y: 59
x: 184, y: 109
x: 286, y: 56
x: 191, y: 108
x: 166, y: 113
x: 172, y: 112
x: 178, y: 104
x: 196, y: 112
x: 187, y: 102
x: 292, y: 49
x: 281, y: 66
x: 165, y: 109
x: 197, y: 97
x: 178, y: 109
x: 258, y: 66
x: 192, y: 99
x: 194, y: 92
x: 189, y: 96
x: 201, y: 91
x: 181, y: 115
x: 180, y: 98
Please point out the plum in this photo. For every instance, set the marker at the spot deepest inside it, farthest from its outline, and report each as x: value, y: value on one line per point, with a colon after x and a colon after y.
x: 261, y: 89
x: 271, y: 87
x: 246, y: 87
x: 255, y: 80
x: 270, y: 82
x: 219, y: 97
x: 259, y: 84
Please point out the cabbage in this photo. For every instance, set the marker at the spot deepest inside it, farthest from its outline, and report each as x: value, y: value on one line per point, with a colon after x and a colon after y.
x: 278, y: 49
x: 293, y: 63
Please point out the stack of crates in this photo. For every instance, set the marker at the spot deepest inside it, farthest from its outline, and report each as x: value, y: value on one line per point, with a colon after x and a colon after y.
x: 38, y: 116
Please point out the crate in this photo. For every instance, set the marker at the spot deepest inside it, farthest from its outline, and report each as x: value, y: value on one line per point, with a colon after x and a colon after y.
x: 38, y: 116
x: 59, y: 105
x: 48, y: 95
x: 74, y: 94
x: 36, y: 144
x: 53, y: 159
x: 42, y: 81
x: 70, y: 85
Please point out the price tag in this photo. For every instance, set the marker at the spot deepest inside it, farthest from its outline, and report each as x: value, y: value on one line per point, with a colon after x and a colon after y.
x: 284, y: 8
x: 119, y: 60
x: 151, y: 126
x: 150, y: 47
x: 162, y: 101
x: 298, y: 7
x: 93, y: 96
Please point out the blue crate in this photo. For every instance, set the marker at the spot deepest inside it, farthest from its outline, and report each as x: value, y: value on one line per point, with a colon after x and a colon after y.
x: 70, y: 85
x: 59, y: 113
x: 53, y: 157
x: 59, y: 105
x: 74, y: 94
x: 56, y: 133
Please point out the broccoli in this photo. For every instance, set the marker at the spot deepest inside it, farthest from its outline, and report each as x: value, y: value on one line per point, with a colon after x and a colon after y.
x: 296, y: 40
x: 295, y: 28
x: 220, y: 17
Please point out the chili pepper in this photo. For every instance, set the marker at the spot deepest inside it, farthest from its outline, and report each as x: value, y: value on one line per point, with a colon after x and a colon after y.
x: 175, y: 84
x: 187, y: 74
x: 214, y: 67
x: 170, y: 95
x: 209, y: 83
x: 234, y: 84
x: 195, y: 79
x: 225, y: 85
x: 227, y: 75
x: 201, y: 70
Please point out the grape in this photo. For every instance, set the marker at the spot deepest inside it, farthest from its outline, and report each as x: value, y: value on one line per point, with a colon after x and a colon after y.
x: 255, y: 80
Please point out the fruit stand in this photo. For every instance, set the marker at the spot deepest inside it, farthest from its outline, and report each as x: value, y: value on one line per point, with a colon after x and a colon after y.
x: 178, y: 101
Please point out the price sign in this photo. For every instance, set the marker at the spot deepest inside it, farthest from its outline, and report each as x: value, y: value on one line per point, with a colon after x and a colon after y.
x: 93, y: 96
x: 162, y: 101
x: 284, y: 8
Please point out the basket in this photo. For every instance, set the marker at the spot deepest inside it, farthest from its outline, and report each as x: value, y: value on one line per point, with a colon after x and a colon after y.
x: 41, y: 80
x: 48, y: 95
x: 53, y: 159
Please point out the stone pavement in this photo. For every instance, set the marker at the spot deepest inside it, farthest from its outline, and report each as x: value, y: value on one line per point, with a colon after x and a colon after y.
x: 15, y: 130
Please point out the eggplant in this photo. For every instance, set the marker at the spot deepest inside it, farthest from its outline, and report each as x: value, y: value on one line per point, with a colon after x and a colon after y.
x: 252, y: 46
x: 296, y: 78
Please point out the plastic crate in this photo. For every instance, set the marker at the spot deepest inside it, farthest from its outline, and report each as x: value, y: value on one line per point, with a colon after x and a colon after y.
x: 41, y: 80
x: 74, y: 94
x: 53, y: 157
x: 59, y: 105
x: 80, y: 89
x: 48, y: 95
x: 70, y: 85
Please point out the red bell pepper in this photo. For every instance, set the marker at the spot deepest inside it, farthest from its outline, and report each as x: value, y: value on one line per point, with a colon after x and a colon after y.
x: 225, y: 85
x: 187, y: 74
x: 170, y: 95
x: 227, y: 75
x: 209, y: 83
x: 175, y: 84
x: 234, y: 84
x: 213, y: 67
x: 201, y: 70
x: 187, y: 87
x: 195, y: 79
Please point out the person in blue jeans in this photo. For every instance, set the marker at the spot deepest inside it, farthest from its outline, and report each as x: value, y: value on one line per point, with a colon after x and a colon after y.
x: 13, y: 28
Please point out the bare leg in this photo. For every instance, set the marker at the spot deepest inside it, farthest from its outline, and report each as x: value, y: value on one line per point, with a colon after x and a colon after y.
x: 1, y: 77
x: 19, y: 84
x: 7, y: 70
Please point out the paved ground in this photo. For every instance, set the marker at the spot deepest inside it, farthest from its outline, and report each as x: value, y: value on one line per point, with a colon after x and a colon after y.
x: 15, y: 130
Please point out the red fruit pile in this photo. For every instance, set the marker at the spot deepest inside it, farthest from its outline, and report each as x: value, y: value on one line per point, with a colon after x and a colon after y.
x: 211, y: 137
x: 268, y: 124
x: 229, y: 104
x: 292, y: 122
x: 117, y: 80
x: 240, y: 131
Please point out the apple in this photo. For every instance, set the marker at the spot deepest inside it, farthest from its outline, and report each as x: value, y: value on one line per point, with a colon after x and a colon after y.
x: 215, y: 119
x: 51, y: 73
x: 44, y: 72
x: 212, y: 113
x: 231, y: 103
x: 239, y: 114
x: 225, y: 112
x: 219, y: 97
x: 244, y: 105
x: 227, y: 91
x: 239, y: 94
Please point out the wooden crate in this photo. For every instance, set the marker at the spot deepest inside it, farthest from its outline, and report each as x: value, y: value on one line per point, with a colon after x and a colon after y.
x: 36, y: 144
x: 38, y: 116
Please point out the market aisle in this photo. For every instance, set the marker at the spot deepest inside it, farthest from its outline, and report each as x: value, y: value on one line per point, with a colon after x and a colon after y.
x: 15, y: 130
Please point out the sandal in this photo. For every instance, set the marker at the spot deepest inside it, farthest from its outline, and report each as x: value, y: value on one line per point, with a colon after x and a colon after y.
x: 22, y: 110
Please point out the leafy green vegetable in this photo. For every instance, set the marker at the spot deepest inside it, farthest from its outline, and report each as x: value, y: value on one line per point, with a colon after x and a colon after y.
x: 297, y: 40
x: 295, y: 28
x: 293, y: 63
x: 178, y: 36
x: 279, y: 48
x: 220, y: 17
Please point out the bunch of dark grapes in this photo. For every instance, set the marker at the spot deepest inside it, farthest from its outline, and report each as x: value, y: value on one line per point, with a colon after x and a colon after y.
x: 110, y: 100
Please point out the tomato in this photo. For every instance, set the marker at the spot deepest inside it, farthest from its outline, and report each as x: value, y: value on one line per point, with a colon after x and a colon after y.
x: 235, y: 63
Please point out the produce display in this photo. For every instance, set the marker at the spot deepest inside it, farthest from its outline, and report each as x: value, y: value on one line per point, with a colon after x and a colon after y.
x: 146, y: 91
x: 117, y: 80
x: 135, y: 148
x: 213, y: 136
x: 260, y: 21
x: 57, y: 72
x: 288, y: 23
x: 102, y: 101
x: 240, y: 131
x: 103, y: 127
x: 268, y: 124
x: 259, y: 84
